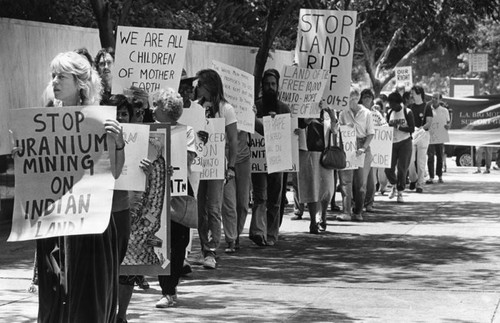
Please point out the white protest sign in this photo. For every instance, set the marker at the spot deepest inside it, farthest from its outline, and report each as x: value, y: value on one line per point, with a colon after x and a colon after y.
x: 278, y: 143
x: 239, y: 92
x: 478, y: 62
x: 178, y: 160
x: 349, y: 142
x: 178, y: 157
x: 258, y: 150
x: 194, y: 116
x: 213, y: 153
x: 149, y: 243
x: 438, y: 133
x: 63, y: 179
x: 325, y: 41
x: 381, y: 147
x: 404, y: 76
x: 148, y: 58
x: 136, y: 138
x: 302, y: 90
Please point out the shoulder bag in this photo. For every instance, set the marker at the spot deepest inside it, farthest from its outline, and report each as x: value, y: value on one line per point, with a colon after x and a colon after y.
x: 333, y: 156
x: 184, y: 210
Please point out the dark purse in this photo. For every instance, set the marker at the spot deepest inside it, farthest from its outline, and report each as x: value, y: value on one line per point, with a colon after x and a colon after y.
x: 333, y: 156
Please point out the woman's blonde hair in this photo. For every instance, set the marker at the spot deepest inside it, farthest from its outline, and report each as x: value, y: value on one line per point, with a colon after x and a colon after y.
x: 86, y: 76
x: 170, y: 101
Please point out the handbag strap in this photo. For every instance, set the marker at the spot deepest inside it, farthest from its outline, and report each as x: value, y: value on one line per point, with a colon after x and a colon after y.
x: 341, y: 144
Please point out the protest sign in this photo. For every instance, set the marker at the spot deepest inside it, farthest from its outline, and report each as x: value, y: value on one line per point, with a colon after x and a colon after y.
x: 438, y: 133
x: 136, y: 138
x: 404, y: 76
x: 194, y: 116
x: 239, y: 92
x: 325, y: 41
x: 148, y: 58
x: 381, y: 147
x: 213, y: 153
x: 302, y: 90
x: 5, y: 147
x: 178, y: 159
x: 478, y: 62
x: 278, y: 143
x: 258, y: 150
x: 65, y: 152
x: 149, y: 241
x: 349, y: 141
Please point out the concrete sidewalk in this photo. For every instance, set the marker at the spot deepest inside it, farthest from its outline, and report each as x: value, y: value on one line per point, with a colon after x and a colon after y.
x: 435, y: 258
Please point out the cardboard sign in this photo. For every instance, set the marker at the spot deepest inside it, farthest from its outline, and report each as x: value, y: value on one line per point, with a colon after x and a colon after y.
x: 148, y: 58
x: 278, y: 143
x: 349, y: 142
x: 212, y: 155
x: 149, y: 242
x: 63, y: 179
x: 438, y: 132
x: 239, y: 92
x: 302, y: 90
x: 381, y: 147
x: 325, y: 41
x: 258, y: 150
x: 194, y: 116
x: 136, y: 138
x: 478, y: 62
x: 404, y: 76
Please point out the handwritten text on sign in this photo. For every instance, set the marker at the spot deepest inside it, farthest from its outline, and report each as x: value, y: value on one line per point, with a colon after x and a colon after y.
x: 278, y: 142
x: 302, y: 90
x: 133, y: 177
x: 381, y: 147
x: 148, y: 58
x: 326, y: 41
x: 258, y: 151
x: 213, y: 153
x: 349, y: 141
x: 404, y: 76
x: 65, y: 151
x: 239, y: 92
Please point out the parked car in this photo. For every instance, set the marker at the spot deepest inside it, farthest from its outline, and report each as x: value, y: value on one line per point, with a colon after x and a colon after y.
x: 464, y: 155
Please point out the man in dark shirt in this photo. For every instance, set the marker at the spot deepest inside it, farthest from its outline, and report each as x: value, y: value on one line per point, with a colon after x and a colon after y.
x: 267, y: 188
x: 421, y: 137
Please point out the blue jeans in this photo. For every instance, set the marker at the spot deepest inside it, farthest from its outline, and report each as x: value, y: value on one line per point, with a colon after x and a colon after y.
x: 435, y: 150
x: 209, y: 215
x: 235, y: 204
x: 401, y: 155
x: 266, y: 205
x: 359, y: 178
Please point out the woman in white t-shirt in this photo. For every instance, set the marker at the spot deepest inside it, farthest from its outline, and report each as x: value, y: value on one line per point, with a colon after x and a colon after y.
x: 210, y: 94
x: 401, y: 118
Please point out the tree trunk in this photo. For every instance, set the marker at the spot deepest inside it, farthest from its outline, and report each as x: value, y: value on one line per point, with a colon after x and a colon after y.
x: 102, y: 15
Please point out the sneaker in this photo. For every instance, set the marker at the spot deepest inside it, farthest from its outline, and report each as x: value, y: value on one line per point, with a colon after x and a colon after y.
x: 230, y: 248
x: 440, y: 180
x: 270, y: 243
x: 486, y: 171
x: 357, y: 217
x: 400, y: 197
x: 186, y: 268
x: 142, y: 282
x: 393, y: 192
x: 477, y: 172
x: 343, y: 217
x: 413, y: 185
x: 370, y: 209
x: 429, y: 181
x: 209, y: 262
x: 165, y: 301
x: 420, y: 190
x: 322, y: 226
x: 199, y: 260
x: 296, y: 217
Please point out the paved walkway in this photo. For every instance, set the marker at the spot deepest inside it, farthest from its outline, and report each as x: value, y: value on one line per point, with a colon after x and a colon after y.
x: 435, y: 258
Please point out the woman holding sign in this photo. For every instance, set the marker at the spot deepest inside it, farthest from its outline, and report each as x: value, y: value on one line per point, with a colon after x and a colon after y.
x: 78, y: 275
x: 210, y: 93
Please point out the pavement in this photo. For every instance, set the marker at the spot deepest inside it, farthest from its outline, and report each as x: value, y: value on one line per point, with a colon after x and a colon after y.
x: 435, y: 258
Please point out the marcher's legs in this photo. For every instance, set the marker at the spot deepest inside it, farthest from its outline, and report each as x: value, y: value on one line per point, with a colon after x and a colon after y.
x: 431, y: 152
x: 229, y: 215
x: 243, y: 192
x: 258, y: 230
x: 439, y: 159
x: 346, y: 177
x: 274, y: 189
x: 371, y: 182
x: 403, y: 161
x: 422, y: 146
x: 209, y: 215
x: 360, y: 179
